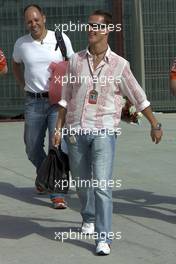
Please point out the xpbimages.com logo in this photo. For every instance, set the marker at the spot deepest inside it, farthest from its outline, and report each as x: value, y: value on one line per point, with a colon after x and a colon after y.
x: 72, y: 235
x: 102, y: 80
x: 93, y: 183
x: 70, y: 26
x: 72, y: 131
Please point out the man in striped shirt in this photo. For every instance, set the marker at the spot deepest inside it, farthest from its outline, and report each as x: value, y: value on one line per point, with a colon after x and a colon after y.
x: 90, y: 108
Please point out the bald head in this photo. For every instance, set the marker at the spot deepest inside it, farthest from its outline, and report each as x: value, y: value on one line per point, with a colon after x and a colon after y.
x: 35, y: 21
x: 36, y: 6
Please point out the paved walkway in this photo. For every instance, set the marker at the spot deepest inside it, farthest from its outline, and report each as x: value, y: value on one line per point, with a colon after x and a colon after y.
x: 144, y: 207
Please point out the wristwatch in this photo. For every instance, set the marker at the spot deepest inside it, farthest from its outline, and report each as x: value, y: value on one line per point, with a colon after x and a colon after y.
x: 157, y: 127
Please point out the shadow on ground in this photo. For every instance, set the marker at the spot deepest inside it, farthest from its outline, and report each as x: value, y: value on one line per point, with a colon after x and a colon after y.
x: 132, y: 202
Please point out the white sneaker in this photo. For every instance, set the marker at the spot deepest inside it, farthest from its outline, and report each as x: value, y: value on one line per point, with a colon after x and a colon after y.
x: 87, y: 228
x: 103, y: 248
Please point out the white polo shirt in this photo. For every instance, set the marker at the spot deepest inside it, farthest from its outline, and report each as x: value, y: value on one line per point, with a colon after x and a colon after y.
x: 37, y: 57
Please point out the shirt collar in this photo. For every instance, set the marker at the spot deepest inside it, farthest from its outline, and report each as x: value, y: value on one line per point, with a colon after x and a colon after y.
x: 106, y: 57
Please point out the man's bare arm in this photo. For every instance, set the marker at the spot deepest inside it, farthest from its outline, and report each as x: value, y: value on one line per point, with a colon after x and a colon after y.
x: 18, y: 73
x: 59, y: 125
x: 173, y: 86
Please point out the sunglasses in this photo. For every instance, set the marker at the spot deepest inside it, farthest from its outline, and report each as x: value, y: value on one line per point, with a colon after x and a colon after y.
x: 97, y: 26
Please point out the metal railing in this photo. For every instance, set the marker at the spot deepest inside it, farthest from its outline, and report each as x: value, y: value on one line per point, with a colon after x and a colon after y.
x: 159, y: 20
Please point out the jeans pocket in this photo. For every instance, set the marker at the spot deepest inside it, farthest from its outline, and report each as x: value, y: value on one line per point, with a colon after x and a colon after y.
x: 29, y: 101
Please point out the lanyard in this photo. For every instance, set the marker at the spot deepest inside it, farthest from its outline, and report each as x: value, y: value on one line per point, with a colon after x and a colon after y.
x: 93, y: 75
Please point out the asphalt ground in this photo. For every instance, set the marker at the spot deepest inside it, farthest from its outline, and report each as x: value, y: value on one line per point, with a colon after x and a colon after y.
x: 144, y: 206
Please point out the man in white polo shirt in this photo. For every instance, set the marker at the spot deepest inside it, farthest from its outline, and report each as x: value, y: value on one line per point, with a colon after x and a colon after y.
x: 36, y: 51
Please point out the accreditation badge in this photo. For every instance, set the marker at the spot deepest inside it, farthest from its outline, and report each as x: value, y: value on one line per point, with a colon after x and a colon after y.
x: 93, y: 96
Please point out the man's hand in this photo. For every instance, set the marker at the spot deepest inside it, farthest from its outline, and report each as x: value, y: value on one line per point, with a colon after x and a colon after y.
x: 156, y: 135
x: 156, y: 130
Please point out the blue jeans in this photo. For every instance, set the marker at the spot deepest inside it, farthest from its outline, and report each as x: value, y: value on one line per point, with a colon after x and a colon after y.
x: 91, y: 156
x: 39, y: 116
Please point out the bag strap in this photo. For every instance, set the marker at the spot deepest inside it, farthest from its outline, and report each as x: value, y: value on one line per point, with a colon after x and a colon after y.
x: 61, y: 44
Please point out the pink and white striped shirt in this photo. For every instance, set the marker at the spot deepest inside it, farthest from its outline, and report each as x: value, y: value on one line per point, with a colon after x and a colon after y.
x: 115, y: 81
